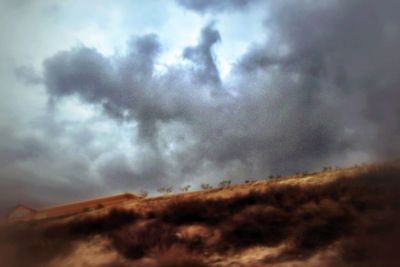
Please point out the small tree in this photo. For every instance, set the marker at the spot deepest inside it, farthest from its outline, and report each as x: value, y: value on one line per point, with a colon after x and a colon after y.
x: 168, y: 190
x: 225, y: 183
x: 327, y: 168
x: 205, y: 186
x: 185, y: 188
x: 164, y: 190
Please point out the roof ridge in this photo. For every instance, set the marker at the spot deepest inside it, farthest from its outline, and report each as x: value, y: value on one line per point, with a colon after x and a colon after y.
x: 87, y: 200
x: 21, y: 205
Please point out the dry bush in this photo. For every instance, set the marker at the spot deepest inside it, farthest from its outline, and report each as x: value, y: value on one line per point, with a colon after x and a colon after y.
x: 174, y: 257
x: 31, y: 246
x: 317, y: 233
x: 137, y: 241
x: 190, y: 211
x: 360, y: 209
x: 311, y: 217
x: 115, y: 219
x: 350, y: 210
x: 36, y: 244
x: 256, y: 225
x: 376, y: 240
x: 179, y: 258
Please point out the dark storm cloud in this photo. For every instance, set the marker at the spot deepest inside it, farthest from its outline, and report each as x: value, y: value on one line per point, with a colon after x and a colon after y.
x: 87, y: 73
x: 19, y: 150
x: 80, y: 71
x: 147, y: 174
x: 321, y: 90
x: 202, y: 56
x: 31, y: 168
x: 202, y: 6
x: 346, y: 51
x: 302, y: 99
x: 117, y: 84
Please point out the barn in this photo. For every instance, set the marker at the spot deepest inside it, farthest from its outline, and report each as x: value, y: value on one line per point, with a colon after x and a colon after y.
x: 22, y: 212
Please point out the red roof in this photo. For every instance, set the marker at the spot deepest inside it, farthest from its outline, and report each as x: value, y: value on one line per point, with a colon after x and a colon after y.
x: 91, y: 201
x: 21, y: 206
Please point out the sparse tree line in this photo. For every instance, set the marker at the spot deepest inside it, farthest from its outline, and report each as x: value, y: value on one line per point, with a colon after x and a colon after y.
x: 165, y: 190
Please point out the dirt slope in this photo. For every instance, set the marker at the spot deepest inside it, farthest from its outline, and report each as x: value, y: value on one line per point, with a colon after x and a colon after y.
x: 346, y: 217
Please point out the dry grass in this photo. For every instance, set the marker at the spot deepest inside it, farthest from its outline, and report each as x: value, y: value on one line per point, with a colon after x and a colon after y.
x: 355, y: 213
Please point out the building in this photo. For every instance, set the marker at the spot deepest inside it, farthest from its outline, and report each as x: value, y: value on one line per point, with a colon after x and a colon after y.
x: 22, y: 212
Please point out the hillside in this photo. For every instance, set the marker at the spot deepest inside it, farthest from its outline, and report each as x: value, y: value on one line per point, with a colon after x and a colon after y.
x: 345, y: 217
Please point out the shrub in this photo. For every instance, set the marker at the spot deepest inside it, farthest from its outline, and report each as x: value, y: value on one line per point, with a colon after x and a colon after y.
x: 31, y: 245
x: 256, y: 225
x: 164, y: 190
x: 318, y: 233
x: 205, y: 186
x: 360, y: 207
x: 136, y: 242
x: 185, y: 188
x: 115, y: 219
x: 225, y: 183
x: 193, y: 211
x: 179, y: 258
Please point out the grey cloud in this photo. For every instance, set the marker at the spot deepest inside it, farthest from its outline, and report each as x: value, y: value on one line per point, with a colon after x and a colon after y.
x: 125, y: 85
x: 347, y: 51
x: 300, y: 98
x: 147, y: 173
x: 117, y: 84
x: 80, y: 71
x: 202, y: 56
x: 202, y: 6
x: 19, y: 150
x: 39, y: 171
x: 27, y: 75
x: 321, y: 90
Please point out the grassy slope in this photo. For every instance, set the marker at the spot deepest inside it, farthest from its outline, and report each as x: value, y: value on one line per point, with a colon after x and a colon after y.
x: 345, y: 217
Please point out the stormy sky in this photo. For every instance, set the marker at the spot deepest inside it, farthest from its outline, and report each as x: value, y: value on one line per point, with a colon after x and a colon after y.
x: 99, y: 97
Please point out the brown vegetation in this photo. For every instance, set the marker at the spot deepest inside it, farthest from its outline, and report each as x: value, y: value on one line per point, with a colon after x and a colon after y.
x: 355, y: 214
